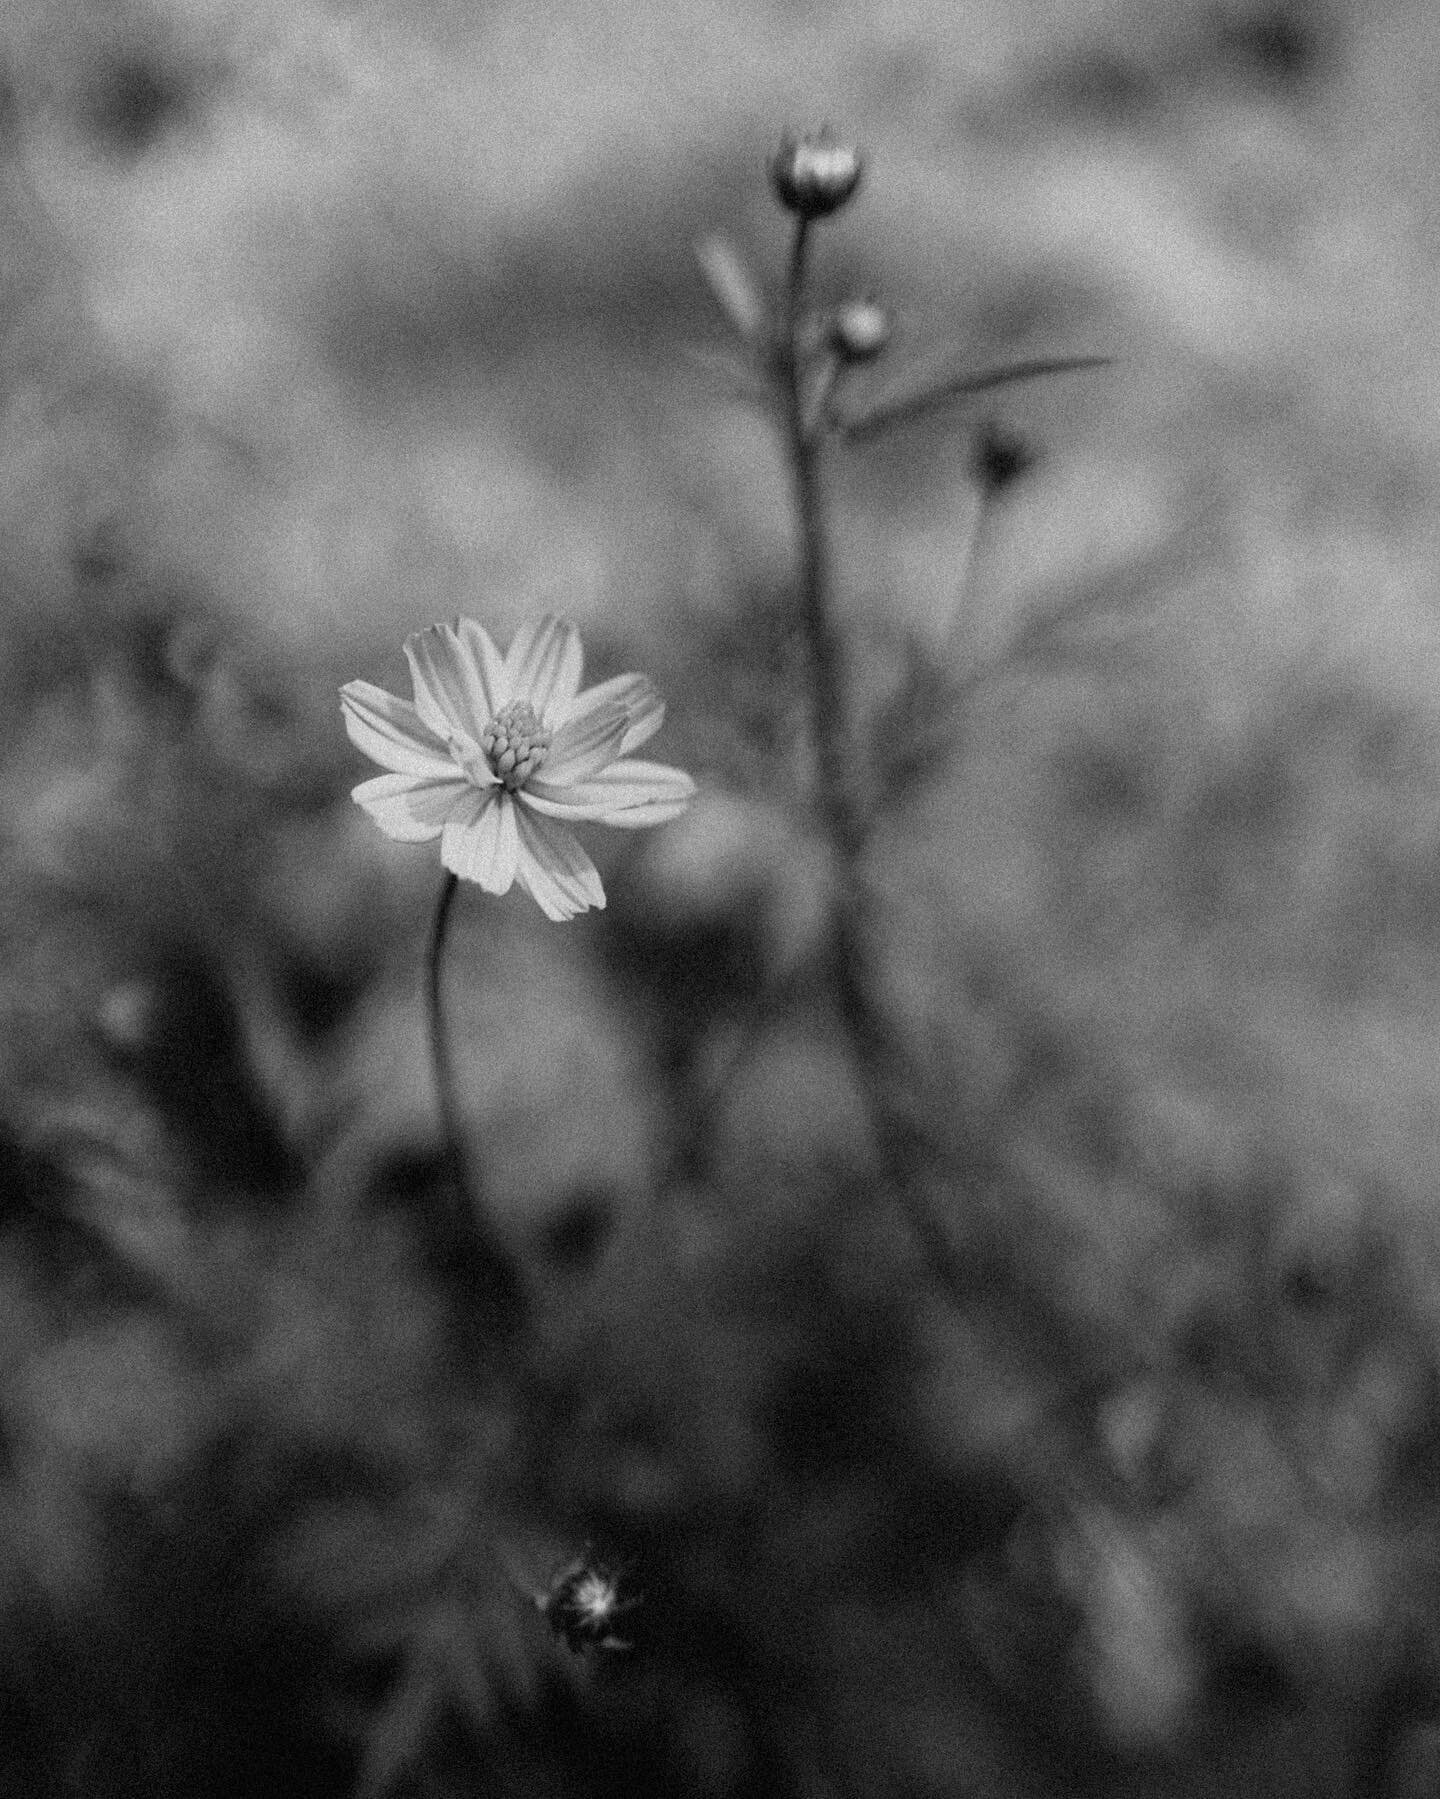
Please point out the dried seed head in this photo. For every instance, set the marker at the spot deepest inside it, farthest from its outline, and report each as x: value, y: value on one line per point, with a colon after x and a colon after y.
x: 582, y: 1606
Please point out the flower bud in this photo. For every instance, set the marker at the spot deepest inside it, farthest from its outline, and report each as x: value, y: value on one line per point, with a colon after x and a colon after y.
x: 814, y: 176
x: 998, y: 457
x: 859, y: 330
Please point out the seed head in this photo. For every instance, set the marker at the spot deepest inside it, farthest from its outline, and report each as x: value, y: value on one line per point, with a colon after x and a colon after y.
x: 582, y: 1605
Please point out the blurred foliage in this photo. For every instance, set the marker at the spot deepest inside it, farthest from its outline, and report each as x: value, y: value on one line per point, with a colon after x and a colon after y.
x: 317, y: 324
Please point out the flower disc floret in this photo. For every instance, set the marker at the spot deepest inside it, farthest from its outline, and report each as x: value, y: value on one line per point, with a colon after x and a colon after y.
x: 515, y: 743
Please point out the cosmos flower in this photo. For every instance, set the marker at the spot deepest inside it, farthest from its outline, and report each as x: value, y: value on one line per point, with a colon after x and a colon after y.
x: 496, y: 755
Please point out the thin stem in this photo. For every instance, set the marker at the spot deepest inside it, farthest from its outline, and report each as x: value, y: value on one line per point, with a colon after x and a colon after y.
x: 827, y: 673
x: 902, y: 1148
x: 492, y: 1269
x: 440, y: 1056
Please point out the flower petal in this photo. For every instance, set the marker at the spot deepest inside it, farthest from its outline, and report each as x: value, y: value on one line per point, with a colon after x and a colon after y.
x: 646, y: 717
x: 391, y: 732
x: 544, y: 664
x: 408, y: 809
x: 554, y: 870
x: 586, y: 743
x: 628, y: 794
x: 459, y: 677
x: 480, y: 844
x: 488, y: 664
x: 643, y: 705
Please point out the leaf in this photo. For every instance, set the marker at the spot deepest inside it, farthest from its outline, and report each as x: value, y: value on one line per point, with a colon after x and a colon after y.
x: 733, y: 375
x: 451, y: 1639
x: 731, y: 283
x: 365, y: 1559
x: 399, y: 1735
x: 904, y: 401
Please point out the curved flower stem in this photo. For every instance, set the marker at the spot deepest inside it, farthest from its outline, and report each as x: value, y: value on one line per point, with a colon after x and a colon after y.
x: 492, y: 1269
x: 440, y: 1057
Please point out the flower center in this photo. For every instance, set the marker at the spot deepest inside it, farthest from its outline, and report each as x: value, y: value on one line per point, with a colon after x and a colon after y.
x: 515, y: 743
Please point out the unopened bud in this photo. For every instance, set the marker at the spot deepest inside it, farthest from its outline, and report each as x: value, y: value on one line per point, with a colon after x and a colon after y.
x: 859, y: 330
x: 998, y: 458
x: 814, y: 176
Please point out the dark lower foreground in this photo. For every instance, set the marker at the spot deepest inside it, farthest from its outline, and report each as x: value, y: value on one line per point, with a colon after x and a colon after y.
x: 1144, y: 1505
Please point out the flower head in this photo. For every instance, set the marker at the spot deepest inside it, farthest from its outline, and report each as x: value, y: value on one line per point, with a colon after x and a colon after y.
x: 495, y: 755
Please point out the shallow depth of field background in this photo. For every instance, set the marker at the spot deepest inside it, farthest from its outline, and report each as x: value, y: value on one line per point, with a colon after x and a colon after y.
x: 318, y: 324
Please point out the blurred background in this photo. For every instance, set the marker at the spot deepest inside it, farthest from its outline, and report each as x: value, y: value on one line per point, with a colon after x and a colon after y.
x: 320, y: 323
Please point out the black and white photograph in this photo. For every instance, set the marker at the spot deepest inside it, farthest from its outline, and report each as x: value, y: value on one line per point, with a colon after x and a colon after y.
x: 719, y: 899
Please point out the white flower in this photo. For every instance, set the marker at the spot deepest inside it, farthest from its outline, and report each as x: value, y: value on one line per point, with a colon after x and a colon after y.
x: 494, y: 752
